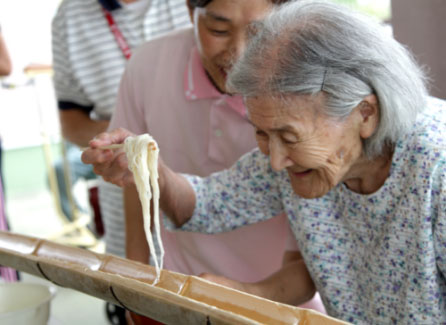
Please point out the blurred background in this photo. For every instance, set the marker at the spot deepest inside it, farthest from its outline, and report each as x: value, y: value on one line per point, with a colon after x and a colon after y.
x: 30, y: 131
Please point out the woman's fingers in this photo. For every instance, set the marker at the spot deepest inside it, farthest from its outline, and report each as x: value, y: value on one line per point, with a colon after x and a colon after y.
x: 112, y: 165
x: 116, y: 136
x: 116, y: 172
x: 96, y: 156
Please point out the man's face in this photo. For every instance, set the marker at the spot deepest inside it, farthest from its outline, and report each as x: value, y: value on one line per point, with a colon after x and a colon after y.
x: 220, y: 33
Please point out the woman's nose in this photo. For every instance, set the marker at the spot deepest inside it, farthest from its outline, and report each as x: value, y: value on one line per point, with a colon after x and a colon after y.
x: 279, y: 156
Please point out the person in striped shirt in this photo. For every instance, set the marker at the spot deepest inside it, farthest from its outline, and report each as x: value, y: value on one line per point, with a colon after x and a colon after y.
x: 88, y: 64
x: 6, y: 273
x: 88, y: 61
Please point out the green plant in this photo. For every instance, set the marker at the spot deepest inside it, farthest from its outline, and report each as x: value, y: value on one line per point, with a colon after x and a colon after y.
x: 377, y: 8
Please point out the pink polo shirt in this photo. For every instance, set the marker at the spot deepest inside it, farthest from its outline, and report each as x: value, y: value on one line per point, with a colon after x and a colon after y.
x: 165, y: 92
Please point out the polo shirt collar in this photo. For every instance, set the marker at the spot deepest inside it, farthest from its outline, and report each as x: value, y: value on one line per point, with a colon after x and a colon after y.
x: 110, y: 5
x: 198, y: 86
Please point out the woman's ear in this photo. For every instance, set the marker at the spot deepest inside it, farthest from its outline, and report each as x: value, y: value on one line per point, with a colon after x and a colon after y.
x: 369, y: 114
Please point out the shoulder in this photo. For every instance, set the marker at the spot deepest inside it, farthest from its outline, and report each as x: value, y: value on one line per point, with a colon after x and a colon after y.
x: 73, y: 9
x: 422, y: 153
x: 164, y: 51
x: 429, y: 130
x: 77, y: 14
x: 178, y: 5
x: 175, y: 40
x: 431, y: 123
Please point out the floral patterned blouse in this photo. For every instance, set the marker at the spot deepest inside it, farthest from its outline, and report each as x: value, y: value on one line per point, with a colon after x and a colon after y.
x: 375, y: 259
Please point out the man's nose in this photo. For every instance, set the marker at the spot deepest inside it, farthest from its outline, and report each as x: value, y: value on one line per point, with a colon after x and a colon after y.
x: 237, y: 46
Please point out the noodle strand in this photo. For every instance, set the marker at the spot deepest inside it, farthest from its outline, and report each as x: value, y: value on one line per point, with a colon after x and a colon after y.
x: 142, y: 159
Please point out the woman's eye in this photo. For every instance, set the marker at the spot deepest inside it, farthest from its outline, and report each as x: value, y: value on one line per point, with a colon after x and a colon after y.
x: 290, y: 139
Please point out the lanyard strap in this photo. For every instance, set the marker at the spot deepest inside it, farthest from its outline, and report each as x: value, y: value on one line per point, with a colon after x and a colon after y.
x: 122, y: 43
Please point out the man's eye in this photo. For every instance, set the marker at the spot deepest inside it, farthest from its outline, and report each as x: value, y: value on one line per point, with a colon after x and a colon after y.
x: 261, y: 134
x: 218, y: 32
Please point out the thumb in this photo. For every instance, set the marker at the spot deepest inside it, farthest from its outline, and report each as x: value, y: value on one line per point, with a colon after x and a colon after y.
x: 116, y: 136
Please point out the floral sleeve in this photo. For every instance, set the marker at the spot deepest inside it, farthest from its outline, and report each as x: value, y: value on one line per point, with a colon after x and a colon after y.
x: 246, y: 193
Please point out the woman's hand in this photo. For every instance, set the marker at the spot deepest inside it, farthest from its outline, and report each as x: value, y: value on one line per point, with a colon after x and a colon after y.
x: 241, y: 286
x: 112, y: 165
x: 291, y: 284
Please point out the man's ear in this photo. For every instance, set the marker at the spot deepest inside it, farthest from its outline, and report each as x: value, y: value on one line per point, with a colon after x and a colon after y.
x: 369, y: 114
x: 191, y: 11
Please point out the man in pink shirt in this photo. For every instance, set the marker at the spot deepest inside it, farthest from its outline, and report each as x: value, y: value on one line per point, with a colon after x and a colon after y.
x: 200, y: 132
x: 174, y: 89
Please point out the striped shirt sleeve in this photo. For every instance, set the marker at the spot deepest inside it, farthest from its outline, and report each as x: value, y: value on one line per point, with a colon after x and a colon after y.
x: 67, y: 88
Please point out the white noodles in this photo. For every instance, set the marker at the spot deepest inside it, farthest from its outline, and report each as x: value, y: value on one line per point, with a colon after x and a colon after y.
x: 143, y: 163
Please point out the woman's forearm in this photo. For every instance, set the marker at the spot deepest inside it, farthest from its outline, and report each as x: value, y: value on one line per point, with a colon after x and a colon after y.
x: 292, y: 285
x: 177, y: 197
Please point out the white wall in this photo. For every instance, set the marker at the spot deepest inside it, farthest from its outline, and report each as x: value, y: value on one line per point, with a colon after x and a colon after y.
x: 421, y: 25
x: 26, y: 27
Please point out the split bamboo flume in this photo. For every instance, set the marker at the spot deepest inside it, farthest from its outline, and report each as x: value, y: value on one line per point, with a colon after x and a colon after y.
x: 175, y: 299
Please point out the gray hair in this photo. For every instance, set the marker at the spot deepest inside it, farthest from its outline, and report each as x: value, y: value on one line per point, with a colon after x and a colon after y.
x: 305, y: 47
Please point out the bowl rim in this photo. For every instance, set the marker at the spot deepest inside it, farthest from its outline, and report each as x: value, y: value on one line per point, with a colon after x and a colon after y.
x: 51, y: 290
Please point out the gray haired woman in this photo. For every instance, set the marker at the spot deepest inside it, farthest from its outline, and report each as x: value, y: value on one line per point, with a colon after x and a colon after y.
x: 352, y: 149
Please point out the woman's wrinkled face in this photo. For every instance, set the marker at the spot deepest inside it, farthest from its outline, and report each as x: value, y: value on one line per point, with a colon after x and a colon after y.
x: 220, y: 33
x: 316, y: 150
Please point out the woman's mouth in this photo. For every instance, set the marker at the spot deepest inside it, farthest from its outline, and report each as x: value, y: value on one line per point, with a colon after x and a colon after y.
x: 303, y: 173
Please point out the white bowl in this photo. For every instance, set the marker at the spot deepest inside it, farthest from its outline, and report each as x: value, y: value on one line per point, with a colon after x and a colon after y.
x: 25, y: 303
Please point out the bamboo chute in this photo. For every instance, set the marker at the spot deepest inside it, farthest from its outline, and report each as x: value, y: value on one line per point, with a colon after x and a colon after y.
x: 175, y: 299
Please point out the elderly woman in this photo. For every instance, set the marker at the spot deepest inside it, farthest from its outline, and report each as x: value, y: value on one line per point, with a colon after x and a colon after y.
x: 352, y: 149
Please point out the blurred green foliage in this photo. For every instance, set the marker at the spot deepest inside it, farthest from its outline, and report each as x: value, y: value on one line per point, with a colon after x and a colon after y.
x: 377, y: 8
